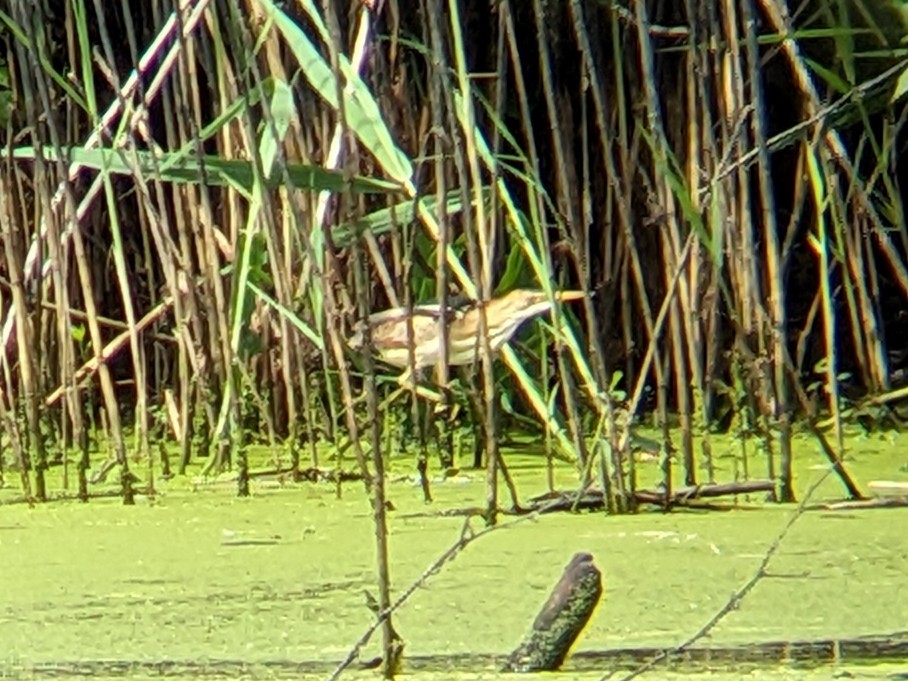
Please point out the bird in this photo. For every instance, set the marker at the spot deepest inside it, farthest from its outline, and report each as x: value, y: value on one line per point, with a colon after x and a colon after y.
x: 504, y: 315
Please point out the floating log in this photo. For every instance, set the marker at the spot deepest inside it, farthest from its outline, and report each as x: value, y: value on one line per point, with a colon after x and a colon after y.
x: 593, y: 500
x: 550, y: 502
x: 561, y: 618
x: 684, y: 495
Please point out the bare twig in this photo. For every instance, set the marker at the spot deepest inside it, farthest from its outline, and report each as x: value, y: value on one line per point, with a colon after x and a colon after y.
x: 738, y: 596
x: 467, y: 536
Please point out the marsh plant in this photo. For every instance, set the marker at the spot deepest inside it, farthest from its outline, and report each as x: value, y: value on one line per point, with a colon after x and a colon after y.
x: 202, y: 201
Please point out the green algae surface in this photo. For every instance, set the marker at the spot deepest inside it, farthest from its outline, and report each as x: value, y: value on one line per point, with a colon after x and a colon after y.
x: 277, y: 579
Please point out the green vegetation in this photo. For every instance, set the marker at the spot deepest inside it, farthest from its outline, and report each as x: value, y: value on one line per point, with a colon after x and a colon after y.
x: 278, y: 577
x: 194, y: 226
x: 249, y: 200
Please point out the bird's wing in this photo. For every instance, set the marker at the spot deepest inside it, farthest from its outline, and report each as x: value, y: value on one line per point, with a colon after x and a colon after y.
x: 391, y: 315
x: 429, y: 310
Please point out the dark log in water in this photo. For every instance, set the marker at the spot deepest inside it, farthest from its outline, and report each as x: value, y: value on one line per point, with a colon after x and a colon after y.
x: 561, y: 619
x: 686, y: 494
x: 593, y: 500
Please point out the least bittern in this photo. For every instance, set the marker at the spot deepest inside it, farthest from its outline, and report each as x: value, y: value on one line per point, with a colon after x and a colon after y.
x: 391, y: 337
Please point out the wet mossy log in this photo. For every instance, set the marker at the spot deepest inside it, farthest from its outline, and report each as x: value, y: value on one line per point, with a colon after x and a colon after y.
x: 562, y: 618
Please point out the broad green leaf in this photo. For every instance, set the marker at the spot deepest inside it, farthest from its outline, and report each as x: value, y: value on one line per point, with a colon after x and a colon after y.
x: 804, y: 34
x: 513, y: 270
x: 281, y: 109
x: 901, y: 87
x: 360, y: 108
x: 214, y: 170
x: 831, y: 78
x: 78, y: 333
x: 383, y: 220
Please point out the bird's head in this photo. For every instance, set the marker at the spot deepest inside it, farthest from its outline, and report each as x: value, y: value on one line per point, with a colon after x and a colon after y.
x: 508, y: 312
x: 525, y: 303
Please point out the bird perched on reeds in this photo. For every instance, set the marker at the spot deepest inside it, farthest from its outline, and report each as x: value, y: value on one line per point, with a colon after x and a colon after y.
x: 504, y: 315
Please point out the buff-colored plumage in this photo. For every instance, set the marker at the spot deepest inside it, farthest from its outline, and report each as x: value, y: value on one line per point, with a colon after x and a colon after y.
x: 504, y: 316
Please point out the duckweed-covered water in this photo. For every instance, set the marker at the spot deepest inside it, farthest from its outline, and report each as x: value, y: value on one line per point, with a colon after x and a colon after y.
x: 272, y: 586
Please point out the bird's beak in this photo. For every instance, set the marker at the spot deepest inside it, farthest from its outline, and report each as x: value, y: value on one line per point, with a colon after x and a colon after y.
x: 565, y: 296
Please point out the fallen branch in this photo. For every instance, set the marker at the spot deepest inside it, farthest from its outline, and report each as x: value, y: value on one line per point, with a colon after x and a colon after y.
x: 594, y: 500
x: 686, y: 494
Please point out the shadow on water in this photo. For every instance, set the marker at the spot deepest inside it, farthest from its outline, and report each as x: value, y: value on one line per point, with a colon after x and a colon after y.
x: 739, y: 659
